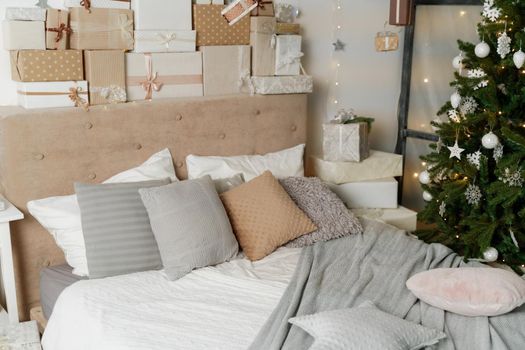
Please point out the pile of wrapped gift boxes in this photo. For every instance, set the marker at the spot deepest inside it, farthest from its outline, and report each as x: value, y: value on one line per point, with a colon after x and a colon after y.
x: 92, y: 52
x: 364, y: 179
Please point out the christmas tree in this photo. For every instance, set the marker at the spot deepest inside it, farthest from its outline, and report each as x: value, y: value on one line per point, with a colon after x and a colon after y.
x: 474, y: 181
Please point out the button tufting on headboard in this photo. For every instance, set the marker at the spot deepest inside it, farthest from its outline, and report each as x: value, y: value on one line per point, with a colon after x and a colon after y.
x: 178, y: 117
x: 257, y: 111
x: 38, y: 156
x: 222, y: 136
x: 179, y: 164
x: 88, y: 125
x: 294, y: 128
x: 92, y: 176
x: 137, y: 146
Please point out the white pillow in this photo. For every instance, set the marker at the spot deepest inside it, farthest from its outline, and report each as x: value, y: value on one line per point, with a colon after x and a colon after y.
x: 61, y: 215
x: 285, y: 163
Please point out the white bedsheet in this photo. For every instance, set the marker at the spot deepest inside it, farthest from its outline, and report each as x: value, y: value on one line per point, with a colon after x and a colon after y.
x: 220, y: 307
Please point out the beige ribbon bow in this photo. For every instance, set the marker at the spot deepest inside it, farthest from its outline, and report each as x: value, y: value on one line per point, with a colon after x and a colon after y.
x: 150, y: 84
x: 126, y: 27
x: 60, y: 30
x: 74, y: 95
x: 86, y: 4
x: 166, y: 39
x: 290, y: 58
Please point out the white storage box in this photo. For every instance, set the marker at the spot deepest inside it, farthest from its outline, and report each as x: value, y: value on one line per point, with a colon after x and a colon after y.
x: 402, y: 218
x: 381, y: 193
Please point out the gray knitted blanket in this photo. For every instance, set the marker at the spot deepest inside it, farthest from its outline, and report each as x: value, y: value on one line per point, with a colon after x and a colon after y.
x: 375, y: 266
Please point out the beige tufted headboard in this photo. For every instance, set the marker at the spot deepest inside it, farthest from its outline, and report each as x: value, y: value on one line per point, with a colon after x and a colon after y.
x: 42, y: 152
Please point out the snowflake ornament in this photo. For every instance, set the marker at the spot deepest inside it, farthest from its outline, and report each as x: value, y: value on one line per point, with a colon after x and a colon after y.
x: 442, y: 209
x: 474, y: 159
x: 454, y: 115
x: 468, y: 105
x: 498, y: 152
x: 504, y: 45
x: 512, y: 178
x: 503, y: 89
x: 490, y: 11
x: 477, y: 74
x: 473, y: 195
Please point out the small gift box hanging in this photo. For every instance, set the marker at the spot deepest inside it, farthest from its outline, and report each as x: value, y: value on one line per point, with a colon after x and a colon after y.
x: 264, y: 8
x: 286, y: 13
x: 386, y: 40
x: 238, y: 9
x: 58, y: 29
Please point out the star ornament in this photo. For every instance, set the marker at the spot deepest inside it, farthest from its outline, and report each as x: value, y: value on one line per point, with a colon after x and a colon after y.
x: 455, y: 151
x: 339, y: 45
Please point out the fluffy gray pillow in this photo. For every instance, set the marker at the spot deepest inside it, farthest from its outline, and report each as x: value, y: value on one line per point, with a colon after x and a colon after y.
x: 323, y: 207
x: 116, y: 228
x: 190, y: 225
x: 365, y: 327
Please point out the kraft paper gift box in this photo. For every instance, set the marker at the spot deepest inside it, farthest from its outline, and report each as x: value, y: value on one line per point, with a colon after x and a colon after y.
x: 101, y: 29
x: 237, y: 10
x: 345, y: 142
x: 57, y: 29
x: 162, y: 14
x: 53, y: 94
x: 262, y: 40
x: 288, y: 55
x: 163, y: 75
x: 106, y: 76
x: 165, y: 41
x: 401, y: 217
x: 264, y: 8
x: 24, y: 35
x: 25, y: 14
x: 213, y: 30
x: 298, y: 84
x: 287, y: 28
x: 377, y: 166
x: 226, y: 70
x: 208, y: 2
x: 47, y: 65
x: 380, y: 193
x: 110, y: 4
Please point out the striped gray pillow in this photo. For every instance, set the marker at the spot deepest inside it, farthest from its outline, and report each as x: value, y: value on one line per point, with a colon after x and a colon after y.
x: 116, y: 227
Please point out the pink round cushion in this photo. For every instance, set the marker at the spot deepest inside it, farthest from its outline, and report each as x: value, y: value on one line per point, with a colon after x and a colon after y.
x: 470, y: 291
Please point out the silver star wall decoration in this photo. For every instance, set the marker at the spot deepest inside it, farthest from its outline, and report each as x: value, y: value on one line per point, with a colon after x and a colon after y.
x: 455, y: 151
x: 339, y: 45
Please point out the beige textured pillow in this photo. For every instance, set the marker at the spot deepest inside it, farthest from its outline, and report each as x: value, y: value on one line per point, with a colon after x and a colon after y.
x: 263, y: 216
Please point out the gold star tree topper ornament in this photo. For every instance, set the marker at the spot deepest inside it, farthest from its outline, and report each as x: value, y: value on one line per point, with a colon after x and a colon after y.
x: 455, y: 151
x: 339, y: 45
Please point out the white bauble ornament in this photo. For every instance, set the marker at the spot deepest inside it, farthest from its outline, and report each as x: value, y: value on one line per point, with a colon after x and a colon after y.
x: 491, y: 254
x: 519, y: 58
x: 482, y: 50
x: 457, y: 62
x: 424, y: 177
x: 455, y: 99
x: 490, y: 140
x: 427, y: 196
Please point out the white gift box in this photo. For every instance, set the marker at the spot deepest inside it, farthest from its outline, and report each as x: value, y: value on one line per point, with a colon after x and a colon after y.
x: 296, y: 84
x: 163, y: 75
x: 51, y: 94
x: 380, y: 193
x: 377, y: 166
x: 110, y: 4
x: 401, y: 217
x: 57, y: 4
x: 288, y: 55
x: 345, y: 142
x: 25, y: 14
x: 165, y: 41
x: 24, y: 35
x: 162, y: 14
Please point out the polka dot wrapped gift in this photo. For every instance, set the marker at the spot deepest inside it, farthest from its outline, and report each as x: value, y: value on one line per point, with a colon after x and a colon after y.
x: 43, y: 66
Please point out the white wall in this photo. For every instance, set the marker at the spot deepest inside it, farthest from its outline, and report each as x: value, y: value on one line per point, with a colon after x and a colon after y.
x: 370, y: 80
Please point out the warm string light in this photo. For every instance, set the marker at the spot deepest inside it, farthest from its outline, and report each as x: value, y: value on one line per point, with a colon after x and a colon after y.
x: 337, y: 20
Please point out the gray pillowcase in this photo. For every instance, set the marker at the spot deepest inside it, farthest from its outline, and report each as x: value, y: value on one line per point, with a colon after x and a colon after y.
x: 190, y: 224
x: 323, y: 207
x: 116, y: 228
x: 229, y: 183
x: 365, y: 327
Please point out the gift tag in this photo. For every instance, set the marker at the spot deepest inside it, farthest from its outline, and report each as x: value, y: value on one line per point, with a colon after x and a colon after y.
x: 387, y: 41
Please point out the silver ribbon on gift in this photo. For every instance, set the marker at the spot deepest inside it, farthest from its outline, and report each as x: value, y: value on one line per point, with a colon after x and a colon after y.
x: 245, y: 76
x: 290, y: 58
x: 112, y: 93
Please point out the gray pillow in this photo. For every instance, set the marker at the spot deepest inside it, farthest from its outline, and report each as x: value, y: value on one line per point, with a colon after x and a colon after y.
x: 365, y: 328
x: 323, y: 207
x: 116, y: 228
x: 190, y: 225
x: 229, y: 183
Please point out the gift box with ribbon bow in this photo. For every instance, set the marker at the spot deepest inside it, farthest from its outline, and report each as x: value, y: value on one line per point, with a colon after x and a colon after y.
x: 53, y: 94
x: 213, y: 30
x: 60, y: 65
x: 101, y: 29
x: 162, y: 14
x: 165, y: 41
x: 288, y: 55
x: 106, y: 75
x: 262, y: 40
x: 88, y: 4
x: 57, y: 29
x: 226, y: 70
x: 163, y: 75
x: 264, y: 8
x: 238, y: 9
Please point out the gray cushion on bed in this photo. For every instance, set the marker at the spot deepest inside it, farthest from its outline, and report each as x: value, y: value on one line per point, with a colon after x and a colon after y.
x: 365, y: 327
x: 323, y: 207
x: 53, y: 280
x: 116, y: 228
x: 229, y: 183
x: 190, y: 224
